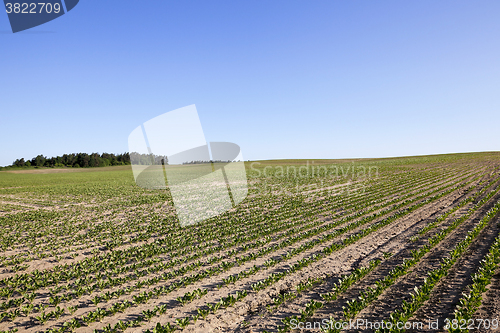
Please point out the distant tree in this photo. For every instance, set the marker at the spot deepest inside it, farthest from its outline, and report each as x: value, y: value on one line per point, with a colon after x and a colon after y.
x: 19, y: 162
x: 69, y: 159
x: 93, y: 161
x: 39, y: 161
x: 85, y: 160
x: 82, y: 160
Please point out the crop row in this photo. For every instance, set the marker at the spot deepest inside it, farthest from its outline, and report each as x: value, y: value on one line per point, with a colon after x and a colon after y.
x: 355, y: 306
x: 422, y: 293
x: 274, y: 277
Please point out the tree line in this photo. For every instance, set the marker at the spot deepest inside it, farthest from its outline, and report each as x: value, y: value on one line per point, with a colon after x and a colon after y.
x: 84, y: 160
x: 79, y: 160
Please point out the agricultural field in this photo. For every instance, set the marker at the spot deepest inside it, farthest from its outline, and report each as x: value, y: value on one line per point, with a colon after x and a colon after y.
x: 314, y: 245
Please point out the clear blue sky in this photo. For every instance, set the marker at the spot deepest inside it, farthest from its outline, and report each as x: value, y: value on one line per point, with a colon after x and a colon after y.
x: 283, y: 79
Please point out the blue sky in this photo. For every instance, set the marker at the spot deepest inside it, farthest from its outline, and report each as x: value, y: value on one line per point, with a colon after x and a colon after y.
x: 283, y: 79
